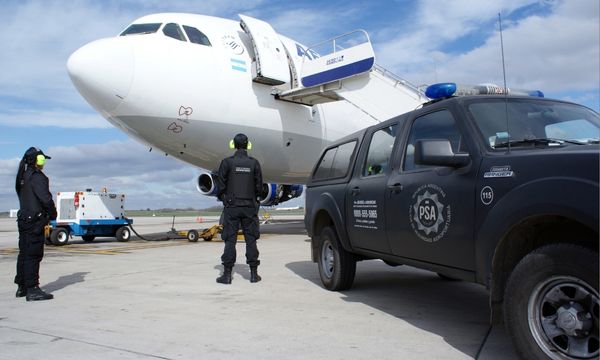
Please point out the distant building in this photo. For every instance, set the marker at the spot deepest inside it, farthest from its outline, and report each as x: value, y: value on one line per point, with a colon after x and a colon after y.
x: 13, y: 213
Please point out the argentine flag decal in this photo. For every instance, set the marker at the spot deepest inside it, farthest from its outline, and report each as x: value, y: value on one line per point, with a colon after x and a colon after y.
x: 239, y: 65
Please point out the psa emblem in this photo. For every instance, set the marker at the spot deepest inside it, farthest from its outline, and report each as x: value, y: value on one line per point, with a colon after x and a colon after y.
x: 429, y: 216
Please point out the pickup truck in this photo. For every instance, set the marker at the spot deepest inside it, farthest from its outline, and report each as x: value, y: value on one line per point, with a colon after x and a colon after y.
x: 497, y: 190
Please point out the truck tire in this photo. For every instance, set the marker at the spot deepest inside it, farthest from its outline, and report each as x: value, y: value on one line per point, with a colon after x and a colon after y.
x: 192, y: 236
x: 337, y: 267
x: 88, y: 238
x: 59, y: 236
x: 123, y: 234
x: 551, y: 305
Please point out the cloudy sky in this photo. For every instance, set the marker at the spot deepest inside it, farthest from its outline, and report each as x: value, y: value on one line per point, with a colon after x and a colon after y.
x: 550, y: 45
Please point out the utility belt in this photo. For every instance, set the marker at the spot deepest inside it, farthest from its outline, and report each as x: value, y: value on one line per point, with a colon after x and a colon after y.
x: 230, y: 200
x: 25, y: 215
x: 30, y: 222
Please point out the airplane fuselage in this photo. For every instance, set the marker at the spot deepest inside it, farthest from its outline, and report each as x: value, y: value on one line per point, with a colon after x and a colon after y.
x: 189, y: 100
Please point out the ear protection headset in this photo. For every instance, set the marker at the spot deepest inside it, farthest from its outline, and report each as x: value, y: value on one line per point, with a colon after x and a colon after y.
x: 40, y: 160
x: 232, y: 145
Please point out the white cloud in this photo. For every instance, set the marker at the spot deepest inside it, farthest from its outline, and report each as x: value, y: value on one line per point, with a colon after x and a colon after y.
x: 59, y: 118
x: 149, y: 179
x: 557, y: 52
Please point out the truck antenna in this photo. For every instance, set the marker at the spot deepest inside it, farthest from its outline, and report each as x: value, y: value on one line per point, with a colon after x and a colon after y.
x: 504, y: 76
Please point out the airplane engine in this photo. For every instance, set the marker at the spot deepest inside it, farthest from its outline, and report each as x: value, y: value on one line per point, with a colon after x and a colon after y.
x: 274, y: 194
x: 271, y: 195
x: 207, y: 185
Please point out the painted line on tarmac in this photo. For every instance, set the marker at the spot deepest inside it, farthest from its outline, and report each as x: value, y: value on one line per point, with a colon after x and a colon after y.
x: 58, y: 338
x: 87, y: 249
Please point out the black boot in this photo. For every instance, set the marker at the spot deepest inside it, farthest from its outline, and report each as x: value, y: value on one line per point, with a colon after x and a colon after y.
x: 21, y: 291
x: 225, y: 278
x: 35, y: 294
x: 254, y: 277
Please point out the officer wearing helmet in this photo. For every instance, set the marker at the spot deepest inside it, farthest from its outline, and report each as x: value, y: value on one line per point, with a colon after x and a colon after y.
x: 36, y: 209
x: 240, y: 184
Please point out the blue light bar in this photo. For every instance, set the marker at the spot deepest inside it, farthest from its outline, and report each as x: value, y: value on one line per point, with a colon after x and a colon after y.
x: 441, y: 90
x: 444, y: 90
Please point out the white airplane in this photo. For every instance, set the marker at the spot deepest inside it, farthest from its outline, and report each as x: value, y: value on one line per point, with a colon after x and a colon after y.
x: 186, y: 84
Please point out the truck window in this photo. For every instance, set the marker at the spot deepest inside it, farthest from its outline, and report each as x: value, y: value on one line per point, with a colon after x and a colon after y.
x: 530, y: 119
x: 335, y: 162
x: 437, y: 125
x: 380, y: 150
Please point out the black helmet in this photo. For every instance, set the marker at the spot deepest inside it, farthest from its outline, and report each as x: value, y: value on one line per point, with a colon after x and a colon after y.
x: 31, y: 154
x: 240, y: 141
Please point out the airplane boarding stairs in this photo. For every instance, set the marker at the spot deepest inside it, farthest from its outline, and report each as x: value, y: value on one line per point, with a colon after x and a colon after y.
x: 351, y: 74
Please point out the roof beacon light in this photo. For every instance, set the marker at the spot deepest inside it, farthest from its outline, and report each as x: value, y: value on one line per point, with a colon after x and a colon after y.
x: 443, y: 90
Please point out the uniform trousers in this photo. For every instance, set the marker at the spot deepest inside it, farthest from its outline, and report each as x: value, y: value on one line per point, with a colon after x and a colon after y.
x: 232, y: 218
x: 31, y: 252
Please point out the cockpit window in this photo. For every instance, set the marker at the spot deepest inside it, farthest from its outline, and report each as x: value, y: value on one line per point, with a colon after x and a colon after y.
x: 141, y: 29
x: 174, y: 31
x: 196, y: 36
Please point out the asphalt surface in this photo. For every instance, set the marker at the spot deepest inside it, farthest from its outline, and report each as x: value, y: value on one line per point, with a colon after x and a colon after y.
x: 159, y: 299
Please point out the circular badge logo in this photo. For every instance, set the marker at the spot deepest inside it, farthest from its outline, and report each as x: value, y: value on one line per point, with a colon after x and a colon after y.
x: 487, y: 195
x: 232, y: 44
x: 430, y: 216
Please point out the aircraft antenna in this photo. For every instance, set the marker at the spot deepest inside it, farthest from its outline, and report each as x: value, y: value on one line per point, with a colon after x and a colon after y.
x: 504, y: 76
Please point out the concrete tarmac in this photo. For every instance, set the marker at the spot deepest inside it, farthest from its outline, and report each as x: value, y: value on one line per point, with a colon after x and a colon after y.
x: 159, y: 299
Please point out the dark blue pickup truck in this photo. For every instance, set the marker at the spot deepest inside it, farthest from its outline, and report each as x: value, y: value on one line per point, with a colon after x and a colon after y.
x: 498, y: 190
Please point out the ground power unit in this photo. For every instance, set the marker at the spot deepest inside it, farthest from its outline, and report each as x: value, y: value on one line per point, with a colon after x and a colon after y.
x: 89, y: 214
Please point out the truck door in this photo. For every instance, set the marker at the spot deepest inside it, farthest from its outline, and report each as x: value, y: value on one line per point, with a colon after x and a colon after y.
x: 430, y: 210
x: 365, y: 198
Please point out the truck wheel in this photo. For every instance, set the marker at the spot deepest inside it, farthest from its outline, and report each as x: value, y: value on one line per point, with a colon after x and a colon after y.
x: 88, y: 238
x: 59, y: 236
x: 192, y: 236
x: 552, y: 303
x: 337, y: 267
x: 123, y: 234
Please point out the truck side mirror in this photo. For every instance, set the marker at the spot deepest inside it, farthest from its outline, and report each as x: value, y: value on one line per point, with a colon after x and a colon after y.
x: 439, y: 153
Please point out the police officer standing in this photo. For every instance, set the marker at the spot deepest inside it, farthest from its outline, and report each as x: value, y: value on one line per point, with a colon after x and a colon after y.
x: 36, y: 209
x: 240, y: 183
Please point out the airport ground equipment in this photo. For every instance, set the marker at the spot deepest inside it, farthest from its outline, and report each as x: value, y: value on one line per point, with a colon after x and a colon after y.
x: 498, y: 190
x: 194, y: 234
x: 206, y: 234
x: 89, y: 214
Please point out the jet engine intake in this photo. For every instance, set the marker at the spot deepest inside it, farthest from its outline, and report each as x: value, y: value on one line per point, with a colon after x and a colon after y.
x: 274, y: 194
x: 207, y: 185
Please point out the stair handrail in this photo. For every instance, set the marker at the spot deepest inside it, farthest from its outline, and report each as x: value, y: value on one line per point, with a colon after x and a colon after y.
x: 333, y: 39
x: 399, y: 80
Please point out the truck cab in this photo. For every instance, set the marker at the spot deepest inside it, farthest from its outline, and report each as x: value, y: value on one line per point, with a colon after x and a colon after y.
x: 498, y: 190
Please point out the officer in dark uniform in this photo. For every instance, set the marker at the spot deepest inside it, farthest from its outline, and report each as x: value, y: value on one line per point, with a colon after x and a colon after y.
x: 36, y: 209
x: 240, y: 184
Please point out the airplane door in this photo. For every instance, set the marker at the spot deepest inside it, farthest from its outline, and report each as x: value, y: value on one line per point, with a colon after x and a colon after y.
x: 430, y: 210
x: 365, y: 198
x: 271, y: 64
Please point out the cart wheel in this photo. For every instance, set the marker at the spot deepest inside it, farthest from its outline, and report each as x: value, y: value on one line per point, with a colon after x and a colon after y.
x: 123, y: 234
x: 192, y: 236
x: 88, y: 238
x: 59, y: 236
x: 207, y: 238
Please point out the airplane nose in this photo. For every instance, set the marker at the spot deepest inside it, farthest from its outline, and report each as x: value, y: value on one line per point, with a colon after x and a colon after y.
x: 102, y: 71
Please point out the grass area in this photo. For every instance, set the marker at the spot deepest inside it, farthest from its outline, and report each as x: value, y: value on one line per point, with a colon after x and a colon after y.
x: 182, y: 213
x: 171, y: 213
